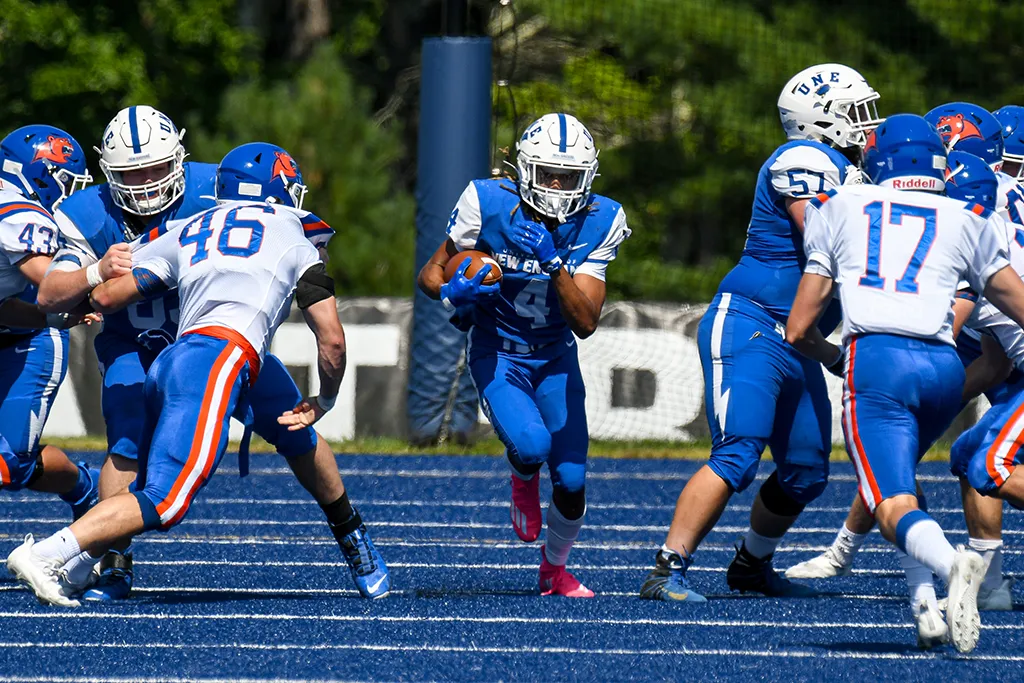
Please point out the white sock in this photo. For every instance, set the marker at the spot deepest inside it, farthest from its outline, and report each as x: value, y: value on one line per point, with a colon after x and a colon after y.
x: 561, y: 534
x: 992, y: 552
x: 919, y: 581
x: 760, y: 546
x: 847, y: 543
x: 925, y: 542
x: 79, y: 567
x: 61, y: 546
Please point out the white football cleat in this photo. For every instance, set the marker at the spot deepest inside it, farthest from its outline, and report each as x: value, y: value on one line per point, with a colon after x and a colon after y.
x: 998, y: 599
x: 39, y: 574
x: 931, y: 626
x: 825, y: 566
x: 962, y: 607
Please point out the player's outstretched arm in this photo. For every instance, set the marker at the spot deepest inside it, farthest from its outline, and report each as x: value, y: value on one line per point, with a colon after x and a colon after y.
x: 113, y: 295
x: 812, y: 296
x: 61, y: 290
x: 315, y: 298
x: 988, y: 370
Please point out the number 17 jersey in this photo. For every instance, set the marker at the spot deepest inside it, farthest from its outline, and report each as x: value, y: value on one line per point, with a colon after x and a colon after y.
x: 898, y: 256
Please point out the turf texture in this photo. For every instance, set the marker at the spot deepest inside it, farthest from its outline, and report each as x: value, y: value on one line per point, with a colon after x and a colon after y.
x: 252, y: 587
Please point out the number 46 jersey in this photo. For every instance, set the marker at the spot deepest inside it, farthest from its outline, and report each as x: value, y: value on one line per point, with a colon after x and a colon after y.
x: 898, y: 256
x: 234, y: 266
x: 527, y: 310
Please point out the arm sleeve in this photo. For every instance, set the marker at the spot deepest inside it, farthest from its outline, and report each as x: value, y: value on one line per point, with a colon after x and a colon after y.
x: 598, y: 260
x: 464, y: 224
x: 803, y: 172
x: 818, y: 243
x: 991, y: 254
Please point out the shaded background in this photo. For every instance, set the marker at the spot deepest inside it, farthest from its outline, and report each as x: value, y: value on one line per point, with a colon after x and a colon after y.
x: 680, y: 96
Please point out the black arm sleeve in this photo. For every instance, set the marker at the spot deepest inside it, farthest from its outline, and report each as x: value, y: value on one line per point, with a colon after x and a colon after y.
x: 314, y: 285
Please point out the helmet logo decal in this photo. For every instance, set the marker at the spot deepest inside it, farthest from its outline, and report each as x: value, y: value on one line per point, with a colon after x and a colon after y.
x: 958, y: 126
x: 871, y: 143
x: 283, y: 164
x: 56, y: 149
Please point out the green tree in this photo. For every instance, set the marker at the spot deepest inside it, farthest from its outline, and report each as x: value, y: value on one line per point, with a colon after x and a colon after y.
x: 323, y: 118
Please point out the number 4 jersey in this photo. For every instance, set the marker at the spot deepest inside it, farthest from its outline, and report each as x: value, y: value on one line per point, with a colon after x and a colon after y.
x: 527, y: 310
x: 898, y: 256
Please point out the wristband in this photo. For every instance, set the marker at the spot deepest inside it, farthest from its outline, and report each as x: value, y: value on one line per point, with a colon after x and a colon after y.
x: 553, y: 265
x: 326, y: 403
x: 58, y: 320
x: 92, y: 275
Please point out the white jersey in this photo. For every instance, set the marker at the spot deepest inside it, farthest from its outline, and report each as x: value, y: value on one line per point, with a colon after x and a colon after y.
x: 26, y: 229
x: 898, y: 256
x: 235, y: 266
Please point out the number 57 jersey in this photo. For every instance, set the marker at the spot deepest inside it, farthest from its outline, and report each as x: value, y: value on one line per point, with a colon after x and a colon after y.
x: 898, y: 256
x: 234, y: 266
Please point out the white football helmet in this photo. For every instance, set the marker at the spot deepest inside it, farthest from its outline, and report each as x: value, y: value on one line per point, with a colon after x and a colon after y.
x: 139, y: 137
x: 829, y: 102
x: 556, y: 146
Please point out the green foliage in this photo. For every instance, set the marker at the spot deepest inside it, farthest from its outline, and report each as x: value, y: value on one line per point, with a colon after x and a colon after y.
x: 322, y: 117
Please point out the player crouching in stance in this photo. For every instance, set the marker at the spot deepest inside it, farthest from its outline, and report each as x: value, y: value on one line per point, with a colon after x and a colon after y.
x: 554, y: 240
x: 253, y: 246
x: 758, y: 391
x: 41, y: 165
x: 898, y: 251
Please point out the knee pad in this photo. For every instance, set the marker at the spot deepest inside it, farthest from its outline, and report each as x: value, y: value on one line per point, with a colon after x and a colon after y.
x: 776, y: 500
x: 571, y: 504
x: 803, y: 483
x: 569, y: 477
x: 737, y: 468
x: 531, y: 444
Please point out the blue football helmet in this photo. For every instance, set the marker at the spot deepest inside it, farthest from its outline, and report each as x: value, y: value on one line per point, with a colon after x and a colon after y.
x: 260, y: 171
x: 905, y: 152
x: 44, y: 163
x: 970, y: 179
x: 969, y: 128
x: 1011, y: 118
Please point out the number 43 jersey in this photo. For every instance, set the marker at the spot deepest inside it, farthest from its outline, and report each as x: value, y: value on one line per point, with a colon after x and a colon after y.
x: 898, y: 256
x: 527, y: 310
x: 26, y: 229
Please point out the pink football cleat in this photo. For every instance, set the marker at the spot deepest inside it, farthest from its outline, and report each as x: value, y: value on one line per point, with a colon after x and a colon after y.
x: 554, y: 580
x: 525, y: 509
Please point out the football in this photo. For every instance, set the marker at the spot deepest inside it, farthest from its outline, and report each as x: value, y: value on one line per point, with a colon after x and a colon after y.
x: 479, y: 260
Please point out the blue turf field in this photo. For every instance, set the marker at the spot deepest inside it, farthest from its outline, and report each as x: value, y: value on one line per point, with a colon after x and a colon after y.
x: 253, y: 587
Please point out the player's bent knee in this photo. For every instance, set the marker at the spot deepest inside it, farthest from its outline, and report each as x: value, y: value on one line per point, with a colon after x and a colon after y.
x: 569, y: 477
x: 532, y: 444
x: 150, y: 516
x: 802, y: 484
x: 959, y: 459
x: 737, y: 469
x: 24, y: 470
x: 776, y: 500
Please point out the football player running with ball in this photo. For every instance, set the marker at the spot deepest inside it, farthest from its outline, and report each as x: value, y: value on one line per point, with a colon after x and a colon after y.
x: 759, y: 392
x: 553, y: 240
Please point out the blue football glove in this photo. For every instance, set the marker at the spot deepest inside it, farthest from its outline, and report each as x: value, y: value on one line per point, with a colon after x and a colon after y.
x: 463, y: 291
x: 535, y: 239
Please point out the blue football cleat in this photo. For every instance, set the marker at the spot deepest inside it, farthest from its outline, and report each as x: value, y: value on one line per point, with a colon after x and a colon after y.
x: 367, y: 566
x: 115, y: 581
x: 90, y: 497
x: 667, y: 581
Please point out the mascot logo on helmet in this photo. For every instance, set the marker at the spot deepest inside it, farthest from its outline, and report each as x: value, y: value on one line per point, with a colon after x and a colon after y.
x: 957, y: 126
x: 284, y: 164
x: 56, y: 149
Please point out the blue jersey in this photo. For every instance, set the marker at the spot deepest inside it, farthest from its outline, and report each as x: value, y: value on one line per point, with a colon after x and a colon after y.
x: 527, y: 310
x: 773, y: 257
x: 90, y: 223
